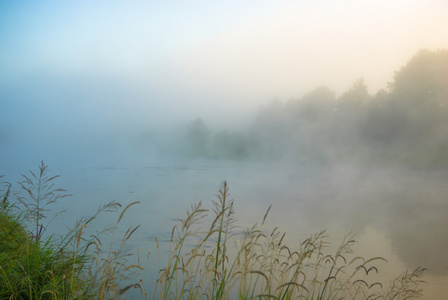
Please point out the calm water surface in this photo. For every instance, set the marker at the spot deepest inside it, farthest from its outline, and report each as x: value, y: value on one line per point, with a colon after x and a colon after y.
x: 401, y: 215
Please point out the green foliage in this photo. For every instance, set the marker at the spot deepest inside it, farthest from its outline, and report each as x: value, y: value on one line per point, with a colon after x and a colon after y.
x: 356, y: 96
x: 229, y: 145
x: 408, y: 124
x: 39, y: 194
x: 423, y: 77
x: 36, y: 266
x: 32, y: 267
x: 200, y: 142
x: 197, y: 138
x: 222, y: 263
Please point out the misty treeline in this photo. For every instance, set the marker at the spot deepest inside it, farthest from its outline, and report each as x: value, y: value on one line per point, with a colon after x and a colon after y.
x: 407, y: 122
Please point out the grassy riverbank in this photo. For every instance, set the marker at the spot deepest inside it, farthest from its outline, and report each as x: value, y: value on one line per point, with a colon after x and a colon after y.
x: 222, y: 263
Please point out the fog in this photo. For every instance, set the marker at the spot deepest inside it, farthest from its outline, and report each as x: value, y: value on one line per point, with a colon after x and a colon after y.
x: 334, y: 112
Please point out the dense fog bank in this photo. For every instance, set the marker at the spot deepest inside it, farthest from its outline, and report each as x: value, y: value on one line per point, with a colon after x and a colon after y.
x: 406, y: 123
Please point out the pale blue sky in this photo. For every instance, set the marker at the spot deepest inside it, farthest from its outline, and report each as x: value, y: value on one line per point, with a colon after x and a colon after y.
x: 118, y: 64
x: 83, y: 35
x: 234, y: 41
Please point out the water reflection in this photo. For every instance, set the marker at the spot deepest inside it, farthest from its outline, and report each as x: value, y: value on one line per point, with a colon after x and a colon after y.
x: 401, y: 214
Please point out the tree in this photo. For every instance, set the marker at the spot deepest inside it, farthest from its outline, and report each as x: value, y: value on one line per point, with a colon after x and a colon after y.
x: 423, y: 77
x: 413, y: 116
x: 197, y: 137
x: 355, y: 96
x: 229, y: 145
x: 317, y: 103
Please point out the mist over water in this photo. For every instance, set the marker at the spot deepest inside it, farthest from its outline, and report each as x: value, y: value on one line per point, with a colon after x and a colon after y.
x: 160, y: 104
x: 315, y: 160
x: 396, y: 213
x: 307, y: 159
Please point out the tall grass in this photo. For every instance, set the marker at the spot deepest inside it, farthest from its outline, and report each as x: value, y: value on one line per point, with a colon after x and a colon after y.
x: 223, y: 262
x: 34, y: 265
x: 260, y: 265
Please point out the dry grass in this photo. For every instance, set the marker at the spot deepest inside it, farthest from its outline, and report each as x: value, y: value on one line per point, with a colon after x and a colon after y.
x: 34, y: 265
x: 220, y: 264
x: 260, y: 265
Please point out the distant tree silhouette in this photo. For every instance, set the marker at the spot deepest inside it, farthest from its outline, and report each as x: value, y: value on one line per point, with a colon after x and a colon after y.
x: 424, y: 77
x: 355, y: 96
x: 317, y: 103
x: 229, y: 145
x: 413, y: 116
x: 405, y: 123
x: 197, y: 137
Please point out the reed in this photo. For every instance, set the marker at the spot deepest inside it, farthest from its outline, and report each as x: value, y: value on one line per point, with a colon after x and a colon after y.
x: 259, y: 265
x: 210, y: 257
x: 110, y: 266
x: 34, y: 265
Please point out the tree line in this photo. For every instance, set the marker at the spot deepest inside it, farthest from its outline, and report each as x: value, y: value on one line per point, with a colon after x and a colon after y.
x: 406, y: 122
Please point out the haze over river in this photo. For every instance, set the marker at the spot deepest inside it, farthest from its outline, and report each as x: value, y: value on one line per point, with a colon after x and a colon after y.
x: 110, y: 94
x: 398, y: 214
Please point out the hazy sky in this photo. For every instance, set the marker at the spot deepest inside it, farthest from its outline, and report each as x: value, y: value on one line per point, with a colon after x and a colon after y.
x: 208, y: 58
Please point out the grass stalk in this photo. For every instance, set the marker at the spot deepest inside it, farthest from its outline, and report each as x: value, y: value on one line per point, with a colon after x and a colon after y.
x: 217, y: 262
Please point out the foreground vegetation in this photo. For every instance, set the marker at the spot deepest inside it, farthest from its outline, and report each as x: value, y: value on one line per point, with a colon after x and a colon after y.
x: 221, y: 264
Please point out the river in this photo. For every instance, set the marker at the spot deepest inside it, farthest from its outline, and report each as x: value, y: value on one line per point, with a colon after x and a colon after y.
x: 398, y: 214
